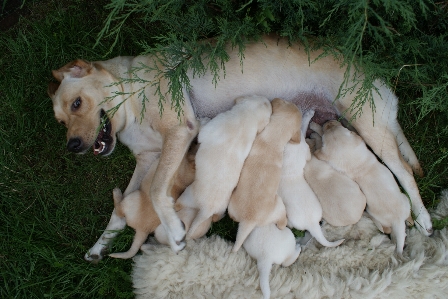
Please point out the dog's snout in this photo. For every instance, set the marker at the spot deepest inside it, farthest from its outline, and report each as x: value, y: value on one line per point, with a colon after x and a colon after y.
x: 74, y: 145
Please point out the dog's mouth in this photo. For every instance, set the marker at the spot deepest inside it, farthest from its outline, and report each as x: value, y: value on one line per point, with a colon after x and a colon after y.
x: 104, y: 139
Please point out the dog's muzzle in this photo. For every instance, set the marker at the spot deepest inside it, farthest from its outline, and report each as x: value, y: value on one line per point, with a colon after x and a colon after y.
x: 75, y: 145
x: 104, y: 140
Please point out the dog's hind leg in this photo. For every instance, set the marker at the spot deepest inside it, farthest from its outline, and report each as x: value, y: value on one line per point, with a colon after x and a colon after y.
x: 406, y: 150
x: 293, y: 257
x: 244, y: 229
x: 264, y: 270
x: 139, y: 239
x: 203, y: 219
x: 176, y: 143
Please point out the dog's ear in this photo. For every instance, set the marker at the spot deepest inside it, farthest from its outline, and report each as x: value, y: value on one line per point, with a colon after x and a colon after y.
x: 296, y: 137
x: 52, y: 87
x: 75, y: 69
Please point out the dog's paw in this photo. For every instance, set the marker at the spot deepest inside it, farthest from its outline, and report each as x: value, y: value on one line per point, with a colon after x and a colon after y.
x: 423, y: 222
x: 177, y: 236
x: 96, y: 253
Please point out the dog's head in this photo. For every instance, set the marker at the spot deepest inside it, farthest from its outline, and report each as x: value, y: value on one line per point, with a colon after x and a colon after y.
x: 80, y: 104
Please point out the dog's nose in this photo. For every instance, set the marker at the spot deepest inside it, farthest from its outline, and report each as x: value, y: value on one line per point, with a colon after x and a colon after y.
x: 74, y: 145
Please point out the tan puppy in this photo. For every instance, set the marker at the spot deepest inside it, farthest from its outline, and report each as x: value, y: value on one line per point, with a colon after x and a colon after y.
x: 303, y: 209
x: 347, y: 152
x: 342, y: 200
x: 272, y: 67
x: 139, y: 212
x: 224, y: 143
x: 255, y: 201
x: 270, y: 245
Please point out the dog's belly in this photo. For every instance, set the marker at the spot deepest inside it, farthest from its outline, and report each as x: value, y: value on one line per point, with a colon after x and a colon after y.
x: 324, y: 109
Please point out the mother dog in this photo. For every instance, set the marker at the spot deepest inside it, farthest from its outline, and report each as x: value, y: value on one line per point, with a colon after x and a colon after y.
x: 271, y: 68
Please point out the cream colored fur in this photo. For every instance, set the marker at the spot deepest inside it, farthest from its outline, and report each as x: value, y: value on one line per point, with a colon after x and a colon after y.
x: 271, y: 68
x: 270, y: 245
x: 255, y: 201
x: 347, y: 153
x: 224, y: 144
x: 364, y: 266
x: 303, y: 209
x: 342, y: 201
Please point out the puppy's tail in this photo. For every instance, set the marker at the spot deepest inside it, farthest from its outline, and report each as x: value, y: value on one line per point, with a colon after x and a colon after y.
x: 399, y: 234
x: 139, y: 239
x: 118, y: 197
x: 316, y: 232
x: 200, y: 225
x: 264, y: 270
x: 244, y: 229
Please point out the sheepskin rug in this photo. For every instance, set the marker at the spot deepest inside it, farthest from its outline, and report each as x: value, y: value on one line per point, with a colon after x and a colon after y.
x: 364, y: 266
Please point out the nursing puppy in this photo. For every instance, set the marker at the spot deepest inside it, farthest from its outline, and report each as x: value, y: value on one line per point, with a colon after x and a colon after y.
x: 255, y: 201
x: 348, y: 153
x: 224, y: 143
x: 341, y: 199
x: 137, y: 208
x: 270, y: 245
x: 303, y: 209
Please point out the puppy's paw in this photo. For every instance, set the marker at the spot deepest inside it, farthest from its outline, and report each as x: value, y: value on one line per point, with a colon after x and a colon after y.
x: 423, y: 222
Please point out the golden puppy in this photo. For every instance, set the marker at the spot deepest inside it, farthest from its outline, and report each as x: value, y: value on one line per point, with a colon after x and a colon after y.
x: 255, y: 201
x: 138, y: 210
x: 348, y: 153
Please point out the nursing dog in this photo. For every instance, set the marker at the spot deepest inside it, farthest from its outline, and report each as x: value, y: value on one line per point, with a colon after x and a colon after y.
x: 272, y: 67
x: 255, y: 201
x: 347, y: 153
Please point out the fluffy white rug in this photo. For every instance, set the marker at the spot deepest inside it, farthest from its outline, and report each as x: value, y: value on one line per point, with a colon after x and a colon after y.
x: 364, y: 266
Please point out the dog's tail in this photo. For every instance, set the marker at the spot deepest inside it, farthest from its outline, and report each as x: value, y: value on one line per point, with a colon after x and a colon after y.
x: 316, y: 232
x: 200, y: 225
x: 118, y: 197
x: 139, y: 239
x: 264, y: 270
x: 244, y: 229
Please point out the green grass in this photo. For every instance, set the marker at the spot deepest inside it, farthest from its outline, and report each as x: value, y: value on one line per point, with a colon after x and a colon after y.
x: 54, y: 204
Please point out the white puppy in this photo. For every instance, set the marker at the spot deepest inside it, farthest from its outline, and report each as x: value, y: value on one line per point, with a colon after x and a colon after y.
x: 303, y: 209
x: 342, y: 201
x: 270, y: 245
x: 225, y: 142
x: 347, y: 152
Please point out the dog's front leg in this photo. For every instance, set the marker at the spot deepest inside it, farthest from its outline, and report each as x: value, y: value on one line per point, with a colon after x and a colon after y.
x: 175, y: 145
x: 116, y: 223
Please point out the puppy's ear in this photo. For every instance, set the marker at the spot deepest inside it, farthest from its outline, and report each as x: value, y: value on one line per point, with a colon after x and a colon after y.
x: 52, y: 87
x: 296, y: 137
x: 75, y: 69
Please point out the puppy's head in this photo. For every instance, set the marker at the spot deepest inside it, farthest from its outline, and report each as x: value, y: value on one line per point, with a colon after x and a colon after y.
x: 80, y: 104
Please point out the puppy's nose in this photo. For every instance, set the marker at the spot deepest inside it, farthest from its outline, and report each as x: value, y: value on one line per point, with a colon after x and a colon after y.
x: 74, y: 145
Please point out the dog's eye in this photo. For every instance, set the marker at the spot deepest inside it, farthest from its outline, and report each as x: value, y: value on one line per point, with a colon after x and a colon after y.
x: 76, y: 104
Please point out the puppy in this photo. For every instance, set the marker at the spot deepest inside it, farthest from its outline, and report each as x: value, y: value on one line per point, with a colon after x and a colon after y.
x: 255, y: 201
x: 137, y: 207
x: 270, y: 245
x: 348, y: 153
x: 303, y: 209
x: 341, y: 199
x: 224, y: 143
